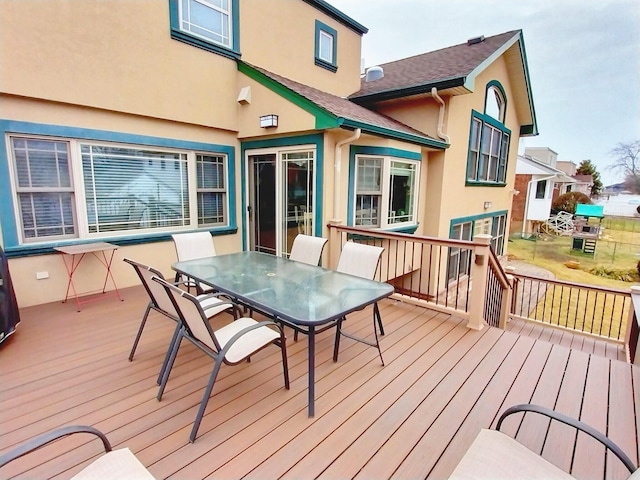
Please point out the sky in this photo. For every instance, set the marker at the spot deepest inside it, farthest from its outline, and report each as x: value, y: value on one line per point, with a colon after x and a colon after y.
x: 583, y: 58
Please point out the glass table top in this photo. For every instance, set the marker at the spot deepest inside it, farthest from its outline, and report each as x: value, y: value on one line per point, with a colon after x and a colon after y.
x: 300, y: 293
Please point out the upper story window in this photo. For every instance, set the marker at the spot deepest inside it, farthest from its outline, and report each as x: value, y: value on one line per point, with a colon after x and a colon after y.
x: 386, y: 191
x: 208, y: 24
x: 326, y: 42
x: 541, y: 189
x: 489, y: 140
x: 118, y: 188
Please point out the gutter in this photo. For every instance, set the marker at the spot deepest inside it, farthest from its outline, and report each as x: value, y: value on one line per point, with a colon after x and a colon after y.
x: 441, y: 134
x: 337, y: 167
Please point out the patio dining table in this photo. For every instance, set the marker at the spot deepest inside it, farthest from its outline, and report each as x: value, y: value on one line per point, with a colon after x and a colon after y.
x: 307, y: 298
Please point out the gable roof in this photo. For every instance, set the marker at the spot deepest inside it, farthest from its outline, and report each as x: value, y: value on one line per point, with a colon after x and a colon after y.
x: 332, y: 111
x: 529, y: 165
x: 453, y: 70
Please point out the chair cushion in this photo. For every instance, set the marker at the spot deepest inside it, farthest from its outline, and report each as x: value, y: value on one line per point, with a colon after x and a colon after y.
x: 494, y: 455
x: 249, y: 343
x: 117, y: 465
x: 212, y: 305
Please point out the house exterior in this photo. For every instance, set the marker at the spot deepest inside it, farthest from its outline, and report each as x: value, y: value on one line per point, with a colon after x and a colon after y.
x: 124, y: 131
x: 582, y: 183
x: 536, y: 186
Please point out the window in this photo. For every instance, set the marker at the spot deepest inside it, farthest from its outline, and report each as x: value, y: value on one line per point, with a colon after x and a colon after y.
x: 541, y: 189
x: 326, y: 46
x: 209, y: 19
x: 124, y: 189
x: 208, y: 24
x: 497, y: 233
x: 44, y: 188
x: 386, y: 191
x: 459, y: 258
x: 489, y: 140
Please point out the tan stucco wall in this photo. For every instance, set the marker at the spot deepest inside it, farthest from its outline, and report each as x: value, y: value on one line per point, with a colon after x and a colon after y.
x: 114, y: 55
x: 30, y: 291
x: 291, y: 118
x: 447, y: 173
x: 280, y: 37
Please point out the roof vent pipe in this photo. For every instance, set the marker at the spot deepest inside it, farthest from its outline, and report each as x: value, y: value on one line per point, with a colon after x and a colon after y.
x: 474, y: 40
x: 441, y: 134
x: 373, y: 73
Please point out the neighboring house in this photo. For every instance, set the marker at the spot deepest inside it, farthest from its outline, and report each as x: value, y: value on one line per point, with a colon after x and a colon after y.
x: 240, y: 117
x: 583, y: 183
x: 535, y: 185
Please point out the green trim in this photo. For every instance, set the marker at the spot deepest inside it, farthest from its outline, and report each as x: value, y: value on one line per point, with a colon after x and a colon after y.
x: 324, y: 119
x: 389, y: 133
x: 316, y: 139
x: 177, y: 33
x: 331, y: 66
x: 402, y: 92
x: 355, y: 150
x: 7, y: 212
x: 494, y: 123
x: 337, y: 15
x: 498, y: 85
x: 473, y: 218
x: 471, y: 183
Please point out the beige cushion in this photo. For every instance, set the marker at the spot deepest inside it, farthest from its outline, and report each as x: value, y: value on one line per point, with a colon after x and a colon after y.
x: 494, y: 455
x: 115, y: 465
x: 249, y: 342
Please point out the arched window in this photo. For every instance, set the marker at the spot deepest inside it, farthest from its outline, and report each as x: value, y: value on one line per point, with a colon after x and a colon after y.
x: 494, y: 103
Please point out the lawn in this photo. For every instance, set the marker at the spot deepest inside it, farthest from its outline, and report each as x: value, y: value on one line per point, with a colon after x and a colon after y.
x: 617, y: 252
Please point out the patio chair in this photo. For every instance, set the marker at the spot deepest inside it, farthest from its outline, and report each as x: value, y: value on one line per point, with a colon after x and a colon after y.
x: 231, y: 344
x: 191, y: 246
x: 494, y: 455
x: 362, y: 261
x: 159, y: 302
x: 307, y: 249
x: 119, y: 464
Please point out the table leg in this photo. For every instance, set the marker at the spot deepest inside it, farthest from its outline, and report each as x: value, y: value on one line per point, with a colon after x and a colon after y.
x: 312, y: 370
x: 70, y: 271
x: 109, y: 275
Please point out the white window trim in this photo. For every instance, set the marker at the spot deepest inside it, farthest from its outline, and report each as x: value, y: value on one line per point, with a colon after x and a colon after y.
x: 81, y: 217
x: 228, y: 13
x: 385, y: 178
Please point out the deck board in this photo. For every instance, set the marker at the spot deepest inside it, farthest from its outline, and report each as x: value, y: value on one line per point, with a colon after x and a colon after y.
x: 414, y: 417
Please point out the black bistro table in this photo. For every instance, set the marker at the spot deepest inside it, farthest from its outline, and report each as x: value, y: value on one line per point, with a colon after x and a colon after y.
x: 304, y: 297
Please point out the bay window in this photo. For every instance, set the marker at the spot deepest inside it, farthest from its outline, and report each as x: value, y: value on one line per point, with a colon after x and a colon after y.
x: 385, y: 191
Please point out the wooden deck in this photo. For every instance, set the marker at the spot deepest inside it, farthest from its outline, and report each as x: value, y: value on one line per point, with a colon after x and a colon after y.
x: 413, y: 418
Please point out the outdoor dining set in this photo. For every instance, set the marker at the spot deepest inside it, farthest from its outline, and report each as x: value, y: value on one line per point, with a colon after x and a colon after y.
x: 294, y: 293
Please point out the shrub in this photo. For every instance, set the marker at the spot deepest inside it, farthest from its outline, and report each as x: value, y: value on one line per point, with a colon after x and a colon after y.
x: 568, y: 201
x: 624, y: 275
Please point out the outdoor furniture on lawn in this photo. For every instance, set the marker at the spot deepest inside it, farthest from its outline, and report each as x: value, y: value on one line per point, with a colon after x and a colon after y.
x: 231, y: 344
x: 158, y: 301
x: 494, y: 455
x: 190, y: 246
x: 118, y: 464
x: 362, y: 261
x: 307, y: 298
x: 307, y: 249
x: 75, y: 254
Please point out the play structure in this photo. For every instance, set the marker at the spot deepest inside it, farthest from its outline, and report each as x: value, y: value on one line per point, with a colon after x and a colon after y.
x: 587, y: 231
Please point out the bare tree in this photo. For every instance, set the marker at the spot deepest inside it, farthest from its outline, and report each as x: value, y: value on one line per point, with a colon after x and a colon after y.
x: 627, y: 160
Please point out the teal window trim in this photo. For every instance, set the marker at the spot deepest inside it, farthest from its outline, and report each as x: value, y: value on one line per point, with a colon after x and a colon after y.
x: 316, y: 139
x: 7, y: 205
x: 473, y: 219
x: 177, y: 33
x: 355, y: 150
x: 486, y: 119
x: 324, y: 28
x: 496, y: 84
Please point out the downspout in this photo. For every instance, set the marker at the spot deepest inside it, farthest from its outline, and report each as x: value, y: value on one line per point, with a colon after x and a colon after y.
x: 526, y: 200
x: 337, y: 167
x: 441, y: 134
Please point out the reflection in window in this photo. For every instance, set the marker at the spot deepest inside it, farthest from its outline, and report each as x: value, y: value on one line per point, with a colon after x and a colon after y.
x: 368, y: 191
x: 211, y: 190
x: 541, y: 189
x: 44, y: 188
x: 130, y: 189
x: 209, y: 19
x: 401, y: 196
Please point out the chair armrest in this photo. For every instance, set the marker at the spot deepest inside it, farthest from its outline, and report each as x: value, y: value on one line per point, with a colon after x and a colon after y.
x: 572, y: 422
x: 46, y: 438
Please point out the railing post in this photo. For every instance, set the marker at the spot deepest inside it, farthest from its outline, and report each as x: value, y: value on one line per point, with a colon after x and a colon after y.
x: 334, y: 243
x: 479, y: 282
x: 631, y: 343
x: 507, y: 297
